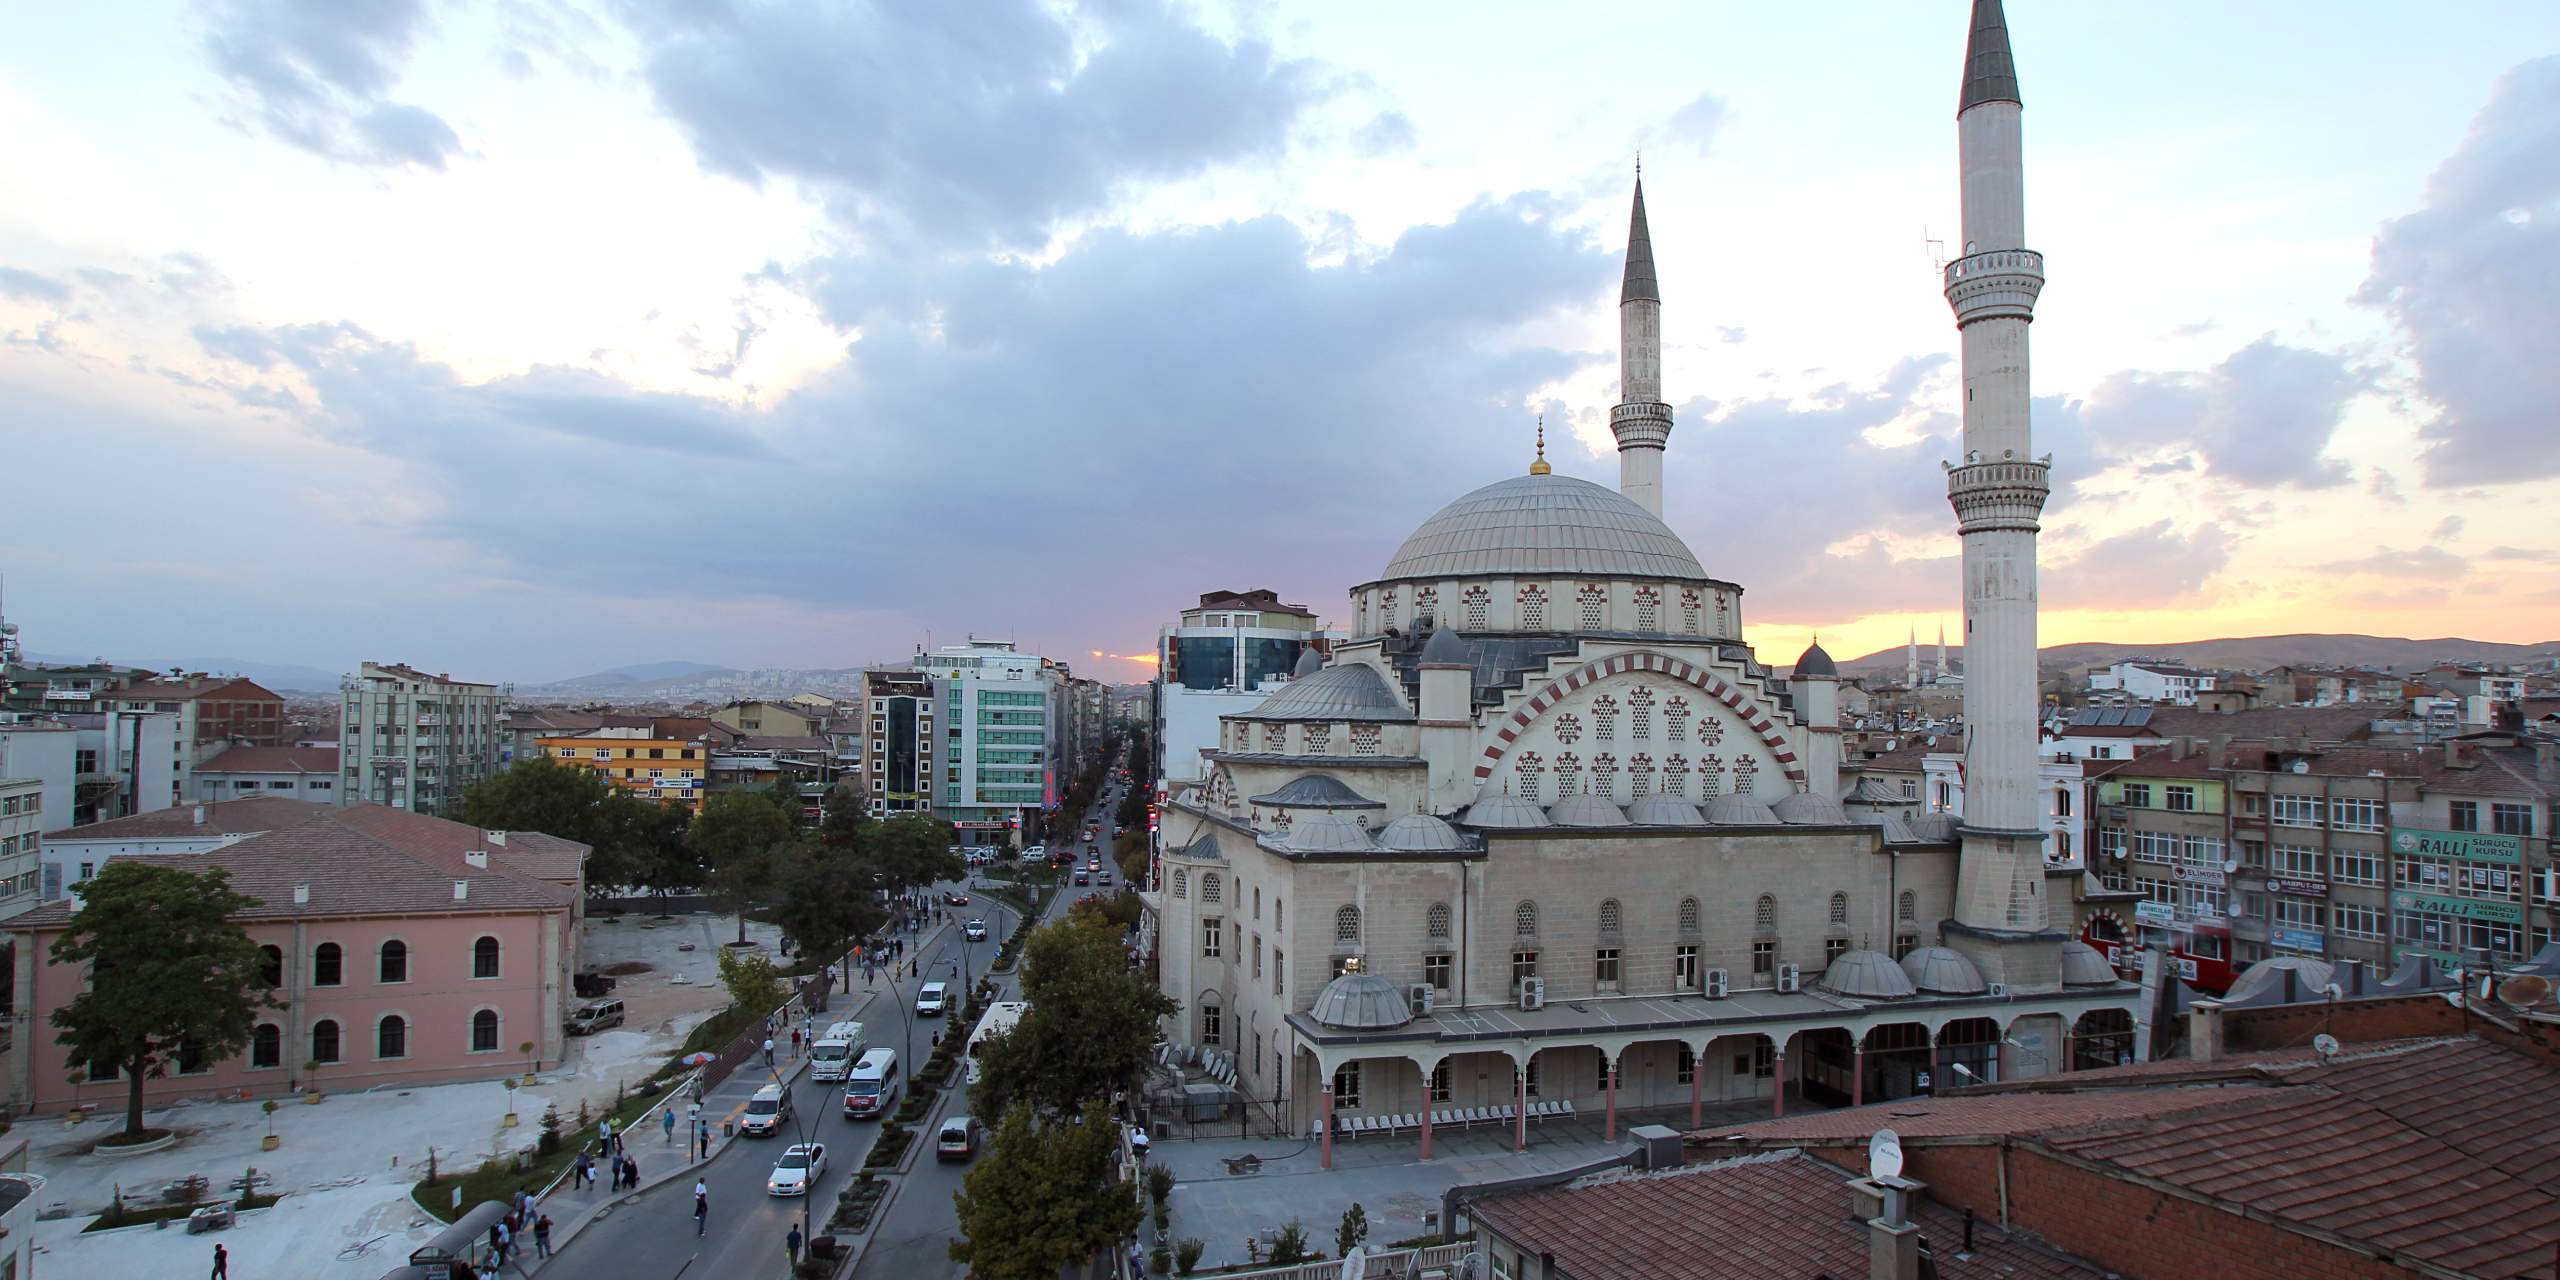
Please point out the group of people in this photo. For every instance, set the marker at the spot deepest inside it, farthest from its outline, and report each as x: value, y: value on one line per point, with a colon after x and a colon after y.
x: 507, y: 1234
x: 610, y: 1146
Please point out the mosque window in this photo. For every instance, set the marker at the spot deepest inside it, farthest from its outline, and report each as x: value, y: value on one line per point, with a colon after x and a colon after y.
x: 1364, y: 739
x: 1533, y: 608
x: 1675, y: 776
x: 1595, y: 606
x: 1764, y: 915
x: 1609, y: 916
x: 1209, y: 887
x: 1275, y: 738
x: 1476, y: 598
x: 1688, y: 915
x: 1675, y: 718
x: 1181, y: 882
x: 1640, y: 713
x: 1530, y: 767
x: 1710, y: 731
x: 1840, y: 909
x: 1387, y: 607
x: 1568, y: 774
x: 1710, y: 776
x: 1724, y: 611
x: 1319, y: 739
x: 1604, y: 718
x: 1568, y: 729
x: 1435, y: 922
x: 1280, y: 819
x: 1648, y: 608
x: 1346, y: 924
x: 1910, y: 908
x: 1744, y: 771
x: 1640, y: 776
x: 1426, y: 604
x: 1604, y: 776
x: 1524, y: 919
x: 1689, y: 610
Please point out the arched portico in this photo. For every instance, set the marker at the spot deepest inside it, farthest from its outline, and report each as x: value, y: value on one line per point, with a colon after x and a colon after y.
x: 1969, y: 1047
x: 2100, y: 1038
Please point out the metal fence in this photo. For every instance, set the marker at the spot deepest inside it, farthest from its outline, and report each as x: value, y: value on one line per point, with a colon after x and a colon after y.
x: 1386, y: 1264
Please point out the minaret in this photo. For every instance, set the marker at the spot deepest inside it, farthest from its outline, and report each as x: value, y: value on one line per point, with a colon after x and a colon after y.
x: 1911, y: 660
x: 1998, y: 490
x: 1641, y: 421
x: 1943, y: 673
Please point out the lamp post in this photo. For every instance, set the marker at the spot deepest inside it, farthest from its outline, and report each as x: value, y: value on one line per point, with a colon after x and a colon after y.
x: 809, y: 1179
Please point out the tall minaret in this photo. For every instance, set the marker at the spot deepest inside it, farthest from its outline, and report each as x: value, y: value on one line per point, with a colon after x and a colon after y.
x: 1944, y: 674
x: 1997, y: 491
x: 1641, y: 421
x: 1911, y: 660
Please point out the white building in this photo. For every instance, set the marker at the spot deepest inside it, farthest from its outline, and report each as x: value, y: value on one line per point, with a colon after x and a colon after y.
x: 415, y: 741
x: 1226, y: 655
x: 2153, y: 682
x: 48, y: 752
x: 295, y: 773
x: 2064, y: 804
x: 22, y: 822
x: 1001, y: 712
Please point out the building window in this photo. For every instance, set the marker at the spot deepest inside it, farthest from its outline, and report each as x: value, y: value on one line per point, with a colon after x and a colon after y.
x: 1604, y: 718
x: 1909, y: 906
x: 1609, y: 917
x: 1346, y: 1086
x: 2357, y: 920
x: 1833, y: 949
x: 1594, y: 599
x: 1684, y: 966
x: 1904, y: 944
x: 1689, y: 610
x: 1209, y: 887
x: 1181, y: 882
x: 1279, y: 973
x: 1745, y: 769
x: 1764, y: 914
x: 2062, y: 802
x: 1364, y: 739
x: 1604, y: 776
x: 1528, y: 767
x: 1764, y: 957
x: 1686, y: 1071
x: 2356, y: 814
x: 1257, y: 956
x: 2463, y: 815
x: 1533, y: 608
x: 1675, y: 776
x: 1435, y: 970
x: 1524, y: 919
x: 395, y: 961
x: 1640, y: 776
x: 1764, y: 1060
x: 1275, y: 739
x: 1319, y: 738
x: 2297, y: 862
x: 1346, y: 924
x: 1840, y: 910
x: 1568, y: 770
x: 1910, y: 788
x: 391, y: 1037
x: 1435, y: 922
x: 1211, y: 1024
x: 1440, y: 1081
x: 484, y: 958
x: 2182, y: 798
x: 2511, y: 819
x: 2296, y: 811
x: 1476, y: 598
x: 1648, y: 608
x: 271, y: 966
x: 2137, y: 795
x: 1524, y: 966
x: 326, y: 965
x: 2355, y: 866
x: 1604, y: 968
x: 1688, y: 915
x: 1426, y: 605
x: 1529, y: 1077
x: 324, y: 1041
x: 266, y: 1046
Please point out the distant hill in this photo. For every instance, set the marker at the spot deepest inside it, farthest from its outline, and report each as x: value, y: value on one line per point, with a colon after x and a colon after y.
x: 2251, y: 653
x: 644, y: 672
x: 282, y: 677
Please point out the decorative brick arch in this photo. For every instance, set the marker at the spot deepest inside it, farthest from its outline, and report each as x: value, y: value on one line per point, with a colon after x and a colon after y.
x: 1713, y: 685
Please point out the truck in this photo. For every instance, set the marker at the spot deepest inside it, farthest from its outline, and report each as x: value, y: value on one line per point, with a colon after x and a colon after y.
x: 999, y: 1018
x: 838, y: 1048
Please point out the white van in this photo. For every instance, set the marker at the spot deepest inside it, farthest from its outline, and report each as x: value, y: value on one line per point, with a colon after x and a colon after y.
x: 834, y: 1054
x: 765, y: 1112
x: 873, y: 1087
x: 932, y: 999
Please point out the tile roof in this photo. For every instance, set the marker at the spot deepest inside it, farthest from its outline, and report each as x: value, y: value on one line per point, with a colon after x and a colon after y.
x: 2500, y: 771
x: 2155, y: 763
x: 191, y: 687
x: 2346, y: 723
x: 221, y: 817
x: 320, y: 760
x: 1780, y: 1214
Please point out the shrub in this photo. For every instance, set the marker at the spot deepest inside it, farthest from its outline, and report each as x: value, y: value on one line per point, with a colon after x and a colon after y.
x: 1289, y: 1248
x: 1186, y: 1253
x: 1353, y: 1231
x: 1159, y: 1183
x: 1160, y: 1260
x: 1164, y: 1220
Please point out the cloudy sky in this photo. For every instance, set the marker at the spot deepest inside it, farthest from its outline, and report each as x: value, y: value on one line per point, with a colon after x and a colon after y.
x: 524, y: 339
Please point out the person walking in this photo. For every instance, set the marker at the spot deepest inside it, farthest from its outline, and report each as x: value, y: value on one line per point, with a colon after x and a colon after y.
x: 791, y: 1244
x: 667, y: 1119
x: 221, y: 1263
x: 701, y: 1209
x: 768, y: 1051
x: 604, y: 1134
x: 542, y: 1236
x: 702, y: 1139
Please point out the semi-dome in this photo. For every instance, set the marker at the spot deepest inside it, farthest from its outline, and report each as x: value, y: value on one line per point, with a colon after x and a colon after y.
x: 1815, y: 662
x: 1542, y: 525
x: 1351, y: 691
x: 1421, y: 833
x: 1586, y: 810
x: 1659, y: 810
x: 1316, y: 791
x: 1446, y: 648
x: 1360, y: 1002
x: 1505, y: 810
x: 1739, y: 811
x: 1327, y: 832
x: 1310, y: 661
x: 2082, y: 966
x: 1805, y: 809
x: 1866, y: 975
x: 1942, y: 972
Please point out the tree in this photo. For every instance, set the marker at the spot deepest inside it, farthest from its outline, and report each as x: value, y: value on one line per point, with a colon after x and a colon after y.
x: 1353, y: 1232
x: 661, y: 860
x: 1042, y: 1198
x: 737, y: 834
x: 1091, y: 1023
x: 754, y: 985
x: 825, y: 897
x: 1289, y: 1248
x: 636, y: 840
x: 171, y: 976
x: 915, y: 851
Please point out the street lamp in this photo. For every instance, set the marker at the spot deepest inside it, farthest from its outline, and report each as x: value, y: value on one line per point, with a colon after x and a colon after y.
x: 809, y: 1180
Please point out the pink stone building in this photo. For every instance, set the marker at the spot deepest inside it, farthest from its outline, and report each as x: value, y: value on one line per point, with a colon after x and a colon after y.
x: 404, y: 950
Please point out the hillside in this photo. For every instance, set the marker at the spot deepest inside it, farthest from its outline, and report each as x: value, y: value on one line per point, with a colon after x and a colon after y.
x: 2254, y: 653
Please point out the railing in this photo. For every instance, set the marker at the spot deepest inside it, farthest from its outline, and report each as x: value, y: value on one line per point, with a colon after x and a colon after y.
x: 1386, y: 1264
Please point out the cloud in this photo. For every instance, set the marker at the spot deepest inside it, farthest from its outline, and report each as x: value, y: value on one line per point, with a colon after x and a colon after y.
x: 1696, y: 124
x: 2467, y: 282
x: 1386, y: 133
x: 2520, y: 553
x: 968, y: 124
x: 27, y: 286
x: 2416, y: 562
x: 317, y: 75
x: 2448, y: 529
x: 2143, y: 568
x: 2261, y: 418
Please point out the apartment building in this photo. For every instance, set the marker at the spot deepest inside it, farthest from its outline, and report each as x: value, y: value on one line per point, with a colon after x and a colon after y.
x: 664, y: 769
x: 2162, y: 858
x: 415, y: 741
x: 2311, y: 828
x: 2152, y: 682
x: 2471, y: 857
x: 1001, y: 736
x: 22, y: 822
x: 296, y: 773
x: 788, y: 719
x: 900, y: 745
x: 51, y: 689
x: 213, y: 711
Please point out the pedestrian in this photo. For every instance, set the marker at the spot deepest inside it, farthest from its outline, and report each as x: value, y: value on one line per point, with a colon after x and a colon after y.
x: 768, y: 1051
x: 221, y: 1263
x: 791, y: 1244
x: 604, y: 1136
x: 701, y: 1208
x: 580, y: 1174
x: 542, y: 1236
x: 505, y: 1239
x: 795, y: 1039
x: 1137, y: 1262
x: 668, y: 1120
x: 702, y: 1139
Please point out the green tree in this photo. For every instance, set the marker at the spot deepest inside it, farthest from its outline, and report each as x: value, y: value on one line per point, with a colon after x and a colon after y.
x: 171, y: 977
x: 755, y: 986
x: 1042, y: 1198
x: 637, y: 841
x: 915, y: 851
x: 539, y: 795
x: 1090, y: 1026
x: 1353, y: 1232
x: 657, y: 856
x: 825, y: 899
x: 737, y: 836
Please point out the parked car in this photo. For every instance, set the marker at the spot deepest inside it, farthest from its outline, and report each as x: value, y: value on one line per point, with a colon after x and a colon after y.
x: 590, y: 985
x: 958, y: 1139
x: 595, y: 1016
x: 797, y: 1170
x: 974, y: 930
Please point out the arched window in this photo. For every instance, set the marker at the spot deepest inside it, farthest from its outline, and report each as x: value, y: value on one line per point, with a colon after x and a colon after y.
x: 1648, y: 608
x: 1840, y: 908
x: 1910, y: 908
x: 395, y: 961
x: 1346, y: 924
x: 266, y: 1045
x: 484, y: 1031
x: 1604, y: 718
x: 1280, y: 910
x: 271, y: 967
x: 1594, y: 600
x: 1764, y: 916
x: 327, y: 965
x: 1435, y: 922
x: 1609, y: 916
x: 1533, y: 608
x: 391, y: 1037
x: 1181, y: 882
x: 1688, y: 915
x: 1476, y: 598
x: 484, y: 957
x: 1524, y: 918
x: 1530, y: 766
x: 324, y: 1040
x: 1689, y: 610
x: 2062, y: 802
x: 1209, y: 887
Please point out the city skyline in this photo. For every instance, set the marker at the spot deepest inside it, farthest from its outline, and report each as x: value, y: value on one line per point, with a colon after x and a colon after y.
x: 419, y: 311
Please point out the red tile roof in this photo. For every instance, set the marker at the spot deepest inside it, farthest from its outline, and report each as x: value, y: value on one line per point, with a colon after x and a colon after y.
x: 320, y: 760
x: 1780, y: 1214
x: 188, y: 688
x: 221, y: 817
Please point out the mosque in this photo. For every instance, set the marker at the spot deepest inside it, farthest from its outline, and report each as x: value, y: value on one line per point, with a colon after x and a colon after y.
x: 1545, y: 837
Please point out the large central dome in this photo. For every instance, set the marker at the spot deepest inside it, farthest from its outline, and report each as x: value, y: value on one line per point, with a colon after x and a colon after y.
x: 1541, y: 525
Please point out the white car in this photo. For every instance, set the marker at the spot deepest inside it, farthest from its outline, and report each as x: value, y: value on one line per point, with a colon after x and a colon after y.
x: 974, y: 930
x: 800, y: 1166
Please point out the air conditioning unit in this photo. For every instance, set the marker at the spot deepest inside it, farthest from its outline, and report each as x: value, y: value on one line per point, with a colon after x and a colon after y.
x: 1417, y: 999
x: 1790, y: 977
x: 1533, y: 994
x: 1999, y: 990
x: 1719, y: 984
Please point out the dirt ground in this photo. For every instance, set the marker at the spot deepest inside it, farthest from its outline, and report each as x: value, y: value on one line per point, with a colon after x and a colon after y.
x: 680, y: 986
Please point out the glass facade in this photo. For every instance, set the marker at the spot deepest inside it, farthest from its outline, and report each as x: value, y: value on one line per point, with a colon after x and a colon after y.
x: 1269, y: 659
x: 900, y: 749
x: 1206, y: 662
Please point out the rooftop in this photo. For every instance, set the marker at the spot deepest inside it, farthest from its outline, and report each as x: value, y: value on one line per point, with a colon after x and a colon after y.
x: 1548, y: 524
x: 221, y: 818
x: 311, y: 760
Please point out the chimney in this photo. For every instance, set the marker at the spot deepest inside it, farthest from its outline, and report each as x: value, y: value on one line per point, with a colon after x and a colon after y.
x: 462, y: 891
x: 2458, y: 755
x: 2180, y: 747
x: 302, y: 895
x: 199, y: 815
x: 1893, y: 1239
x: 2204, y: 1030
x: 497, y: 838
x: 2219, y: 753
x: 478, y: 858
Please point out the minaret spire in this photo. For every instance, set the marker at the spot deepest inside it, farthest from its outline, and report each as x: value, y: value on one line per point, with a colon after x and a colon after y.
x: 1911, y: 659
x: 1641, y: 421
x: 1943, y: 670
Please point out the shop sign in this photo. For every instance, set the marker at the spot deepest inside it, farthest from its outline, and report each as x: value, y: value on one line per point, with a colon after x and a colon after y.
x: 2463, y: 908
x: 2301, y: 888
x: 2476, y: 846
x: 2158, y: 915
x: 2298, y: 940
x: 2201, y: 875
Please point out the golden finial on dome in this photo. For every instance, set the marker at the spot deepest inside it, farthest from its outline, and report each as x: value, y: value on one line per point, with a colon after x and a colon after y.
x: 1540, y: 467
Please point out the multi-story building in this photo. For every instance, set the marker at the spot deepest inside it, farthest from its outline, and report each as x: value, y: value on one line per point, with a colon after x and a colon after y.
x: 2162, y: 855
x: 47, y: 689
x: 128, y: 762
x: 1226, y: 655
x: 663, y: 769
x: 2311, y: 830
x: 2153, y: 682
x: 415, y: 741
x: 1000, y: 735
x: 296, y: 773
x: 22, y: 825
x: 213, y: 711
x: 787, y: 719
x: 2062, y: 809
x: 2471, y: 859
x: 900, y: 747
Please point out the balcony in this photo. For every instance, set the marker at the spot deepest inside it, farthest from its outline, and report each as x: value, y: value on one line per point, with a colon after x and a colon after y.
x: 430, y: 721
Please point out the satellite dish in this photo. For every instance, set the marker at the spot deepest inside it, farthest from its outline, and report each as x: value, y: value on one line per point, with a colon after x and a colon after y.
x: 2230, y: 865
x: 2325, y: 1045
x: 2524, y: 991
x: 2453, y: 998
x: 1884, y: 1155
x: 1468, y: 1268
x: 2332, y: 990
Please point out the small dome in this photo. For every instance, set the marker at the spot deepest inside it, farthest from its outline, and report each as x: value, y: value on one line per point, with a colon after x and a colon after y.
x: 1805, y: 809
x: 2267, y: 976
x: 1586, y: 810
x: 1309, y: 663
x: 1505, y: 810
x: 1866, y: 975
x: 1316, y: 791
x: 1421, y: 833
x: 1352, y: 691
x: 1740, y: 811
x: 1446, y: 647
x: 1938, y: 971
x: 1360, y: 1002
x: 1327, y: 833
x: 1814, y: 662
x: 2082, y: 966
x: 1659, y: 810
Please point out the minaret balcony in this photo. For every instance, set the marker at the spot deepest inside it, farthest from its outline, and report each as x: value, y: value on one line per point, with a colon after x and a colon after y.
x: 2007, y: 494
x: 1641, y: 424
x: 2000, y: 284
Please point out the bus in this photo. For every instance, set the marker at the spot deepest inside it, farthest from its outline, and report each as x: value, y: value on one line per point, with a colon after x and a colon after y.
x: 999, y: 1019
